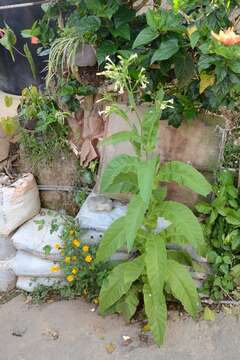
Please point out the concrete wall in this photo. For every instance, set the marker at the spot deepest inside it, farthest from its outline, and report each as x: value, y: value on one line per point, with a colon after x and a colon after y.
x: 196, y: 142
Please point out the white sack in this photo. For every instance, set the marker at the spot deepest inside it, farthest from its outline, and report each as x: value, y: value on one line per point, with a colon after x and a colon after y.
x: 32, y: 236
x: 99, y: 220
x: 7, y: 277
x: 28, y: 284
x: 19, y: 202
x: 24, y: 264
x: 7, y: 248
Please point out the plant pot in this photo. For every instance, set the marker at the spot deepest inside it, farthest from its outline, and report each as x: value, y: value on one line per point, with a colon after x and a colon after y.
x: 15, y: 76
x: 85, y: 56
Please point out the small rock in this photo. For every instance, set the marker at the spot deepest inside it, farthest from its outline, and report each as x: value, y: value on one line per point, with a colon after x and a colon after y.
x: 19, y: 332
x: 99, y: 203
x: 127, y: 340
x: 4, y: 179
x: 51, y: 334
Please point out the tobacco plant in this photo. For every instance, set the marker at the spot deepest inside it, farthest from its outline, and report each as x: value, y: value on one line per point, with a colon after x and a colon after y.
x: 153, y: 272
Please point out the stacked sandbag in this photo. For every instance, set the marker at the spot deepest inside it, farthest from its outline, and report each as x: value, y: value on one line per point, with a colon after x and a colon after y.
x: 32, y: 264
x: 29, y: 284
x: 98, y: 213
x: 7, y: 276
x: 19, y: 202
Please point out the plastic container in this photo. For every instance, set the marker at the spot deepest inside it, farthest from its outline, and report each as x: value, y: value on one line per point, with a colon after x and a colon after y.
x: 15, y: 76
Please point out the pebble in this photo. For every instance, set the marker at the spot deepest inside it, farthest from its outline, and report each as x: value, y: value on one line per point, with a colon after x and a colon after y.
x: 19, y: 332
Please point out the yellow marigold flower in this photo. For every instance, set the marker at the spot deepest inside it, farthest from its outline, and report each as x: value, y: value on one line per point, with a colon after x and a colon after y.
x: 74, y: 270
x: 95, y: 301
x: 88, y: 258
x: 76, y: 242
x: 67, y: 259
x: 85, y: 248
x: 70, y: 278
x: 57, y: 246
x: 55, y: 268
x: 71, y: 232
x: 74, y: 258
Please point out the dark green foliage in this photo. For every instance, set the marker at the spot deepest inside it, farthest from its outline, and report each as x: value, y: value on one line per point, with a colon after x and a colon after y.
x: 222, y: 231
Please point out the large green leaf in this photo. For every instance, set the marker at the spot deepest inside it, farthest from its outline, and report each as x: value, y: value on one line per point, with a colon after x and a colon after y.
x: 183, y: 287
x: 184, y: 69
x: 124, y: 183
x: 29, y: 57
x: 203, y: 208
x: 150, y: 126
x: 104, y: 9
x: 117, y: 138
x: 146, y: 174
x: 114, y: 238
x: 134, y: 219
x: 120, y: 164
x: 122, y: 31
x: 145, y: 37
x: 185, y: 227
x: 156, y: 266
x: 152, y: 18
x: 83, y: 24
x: 107, y: 48
x: 185, y: 175
x: 119, y: 282
x: 8, y: 40
x: 156, y: 311
x: 156, y: 263
x: 127, y: 305
x: 166, y: 50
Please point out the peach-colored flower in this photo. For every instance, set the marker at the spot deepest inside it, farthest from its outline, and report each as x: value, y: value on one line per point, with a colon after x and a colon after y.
x: 227, y: 37
x: 34, y: 40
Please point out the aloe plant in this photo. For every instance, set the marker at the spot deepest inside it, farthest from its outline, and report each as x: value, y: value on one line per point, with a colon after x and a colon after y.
x: 154, y: 271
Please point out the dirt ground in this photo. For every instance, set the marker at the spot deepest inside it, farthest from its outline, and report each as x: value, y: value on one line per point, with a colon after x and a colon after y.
x: 71, y: 330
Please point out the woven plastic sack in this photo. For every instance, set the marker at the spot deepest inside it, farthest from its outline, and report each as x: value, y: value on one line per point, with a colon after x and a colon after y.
x: 19, y: 202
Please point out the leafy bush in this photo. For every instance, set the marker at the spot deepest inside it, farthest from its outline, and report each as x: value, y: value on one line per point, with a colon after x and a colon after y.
x: 153, y: 272
x: 222, y: 231
x: 177, y: 47
x: 44, y: 131
x: 197, y: 71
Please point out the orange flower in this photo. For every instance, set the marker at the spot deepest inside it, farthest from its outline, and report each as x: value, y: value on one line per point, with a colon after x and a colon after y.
x: 74, y: 271
x: 57, y: 246
x: 34, y: 40
x: 88, y: 258
x: 67, y: 259
x: 227, y: 37
x: 70, y: 278
x: 76, y: 242
x: 55, y: 268
x: 85, y: 248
